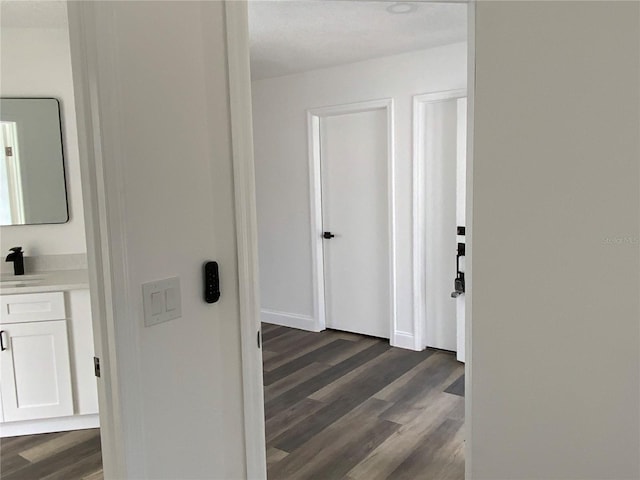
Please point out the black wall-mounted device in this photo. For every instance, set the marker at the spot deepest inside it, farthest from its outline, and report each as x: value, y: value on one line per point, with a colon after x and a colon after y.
x: 211, y: 282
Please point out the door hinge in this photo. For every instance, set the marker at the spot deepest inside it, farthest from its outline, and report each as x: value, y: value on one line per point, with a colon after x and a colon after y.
x: 96, y: 366
x: 259, y: 339
x: 8, y: 151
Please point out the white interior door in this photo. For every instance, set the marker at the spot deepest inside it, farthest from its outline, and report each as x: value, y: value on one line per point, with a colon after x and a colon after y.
x: 440, y: 161
x: 353, y: 152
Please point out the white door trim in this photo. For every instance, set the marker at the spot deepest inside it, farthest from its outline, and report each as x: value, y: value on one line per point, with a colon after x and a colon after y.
x: 103, y: 226
x: 246, y: 236
x: 468, y: 276
x: 315, y: 181
x: 419, y: 210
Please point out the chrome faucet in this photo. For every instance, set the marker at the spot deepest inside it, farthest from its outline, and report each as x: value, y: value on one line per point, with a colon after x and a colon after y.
x: 17, y: 257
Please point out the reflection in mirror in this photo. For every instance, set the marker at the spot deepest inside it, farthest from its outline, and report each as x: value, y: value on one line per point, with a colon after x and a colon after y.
x: 32, y: 180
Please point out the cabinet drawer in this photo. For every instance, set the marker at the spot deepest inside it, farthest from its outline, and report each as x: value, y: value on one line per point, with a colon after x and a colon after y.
x: 32, y: 307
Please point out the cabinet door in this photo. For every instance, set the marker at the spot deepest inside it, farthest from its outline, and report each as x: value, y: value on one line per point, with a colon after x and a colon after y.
x: 35, y: 378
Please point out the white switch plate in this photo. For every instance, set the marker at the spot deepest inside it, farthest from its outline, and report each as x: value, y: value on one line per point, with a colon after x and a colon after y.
x: 162, y: 301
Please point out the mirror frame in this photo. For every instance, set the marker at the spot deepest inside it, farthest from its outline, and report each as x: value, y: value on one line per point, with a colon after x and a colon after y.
x: 64, y: 157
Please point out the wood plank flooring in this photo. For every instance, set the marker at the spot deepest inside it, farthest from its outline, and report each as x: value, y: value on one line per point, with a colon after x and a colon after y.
x: 338, y: 406
x: 349, y: 407
x: 52, y: 456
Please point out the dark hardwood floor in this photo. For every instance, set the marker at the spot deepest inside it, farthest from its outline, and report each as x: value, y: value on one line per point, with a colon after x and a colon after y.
x: 346, y: 406
x: 338, y: 406
x: 52, y: 456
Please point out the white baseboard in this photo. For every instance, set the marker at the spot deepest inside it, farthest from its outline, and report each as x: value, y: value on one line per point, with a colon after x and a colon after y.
x: 48, y: 425
x: 293, y: 320
x: 404, y: 340
x: 304, y: 322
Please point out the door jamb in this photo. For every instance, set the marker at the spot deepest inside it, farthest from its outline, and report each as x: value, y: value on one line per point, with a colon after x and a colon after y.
x: 101, y: 268
x: 468, y: 266
x: 419, y: 209
x: 315, y: 181
x: 237, y: 27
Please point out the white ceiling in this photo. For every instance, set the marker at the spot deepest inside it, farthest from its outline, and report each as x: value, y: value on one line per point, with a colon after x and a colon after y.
x: 295, y: 36
x: 33, y: 14
x: 291, y: 36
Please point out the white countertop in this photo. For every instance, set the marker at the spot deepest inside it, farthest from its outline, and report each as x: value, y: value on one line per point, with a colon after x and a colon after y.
x: 51, y: 281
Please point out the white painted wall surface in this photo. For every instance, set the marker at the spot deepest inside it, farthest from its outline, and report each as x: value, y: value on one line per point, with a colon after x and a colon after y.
x: 282, y: 177
x: 35, y: 62
x: 157, y: 74
x: 555, y: 337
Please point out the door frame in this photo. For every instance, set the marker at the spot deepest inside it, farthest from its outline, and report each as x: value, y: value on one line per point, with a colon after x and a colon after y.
x: 102, y: 251
x: 245, y: 206
x: 314, y: 115
x: 420, y: 296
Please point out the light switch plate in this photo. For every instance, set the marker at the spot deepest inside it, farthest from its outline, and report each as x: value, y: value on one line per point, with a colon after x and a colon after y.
x: 162, y: 301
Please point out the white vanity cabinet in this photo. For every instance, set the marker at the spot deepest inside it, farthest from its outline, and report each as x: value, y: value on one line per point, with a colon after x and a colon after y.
x: 35, y: 367
x: 46, y: 374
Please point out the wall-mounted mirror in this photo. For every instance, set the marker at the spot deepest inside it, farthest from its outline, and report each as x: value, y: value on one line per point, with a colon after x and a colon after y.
x: 32, y: 180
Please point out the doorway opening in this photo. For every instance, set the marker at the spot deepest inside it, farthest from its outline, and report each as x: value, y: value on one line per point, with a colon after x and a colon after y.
x: 439, y: 221
x: 360, y: 152
x: 353, y: 203
x: 49, y: 412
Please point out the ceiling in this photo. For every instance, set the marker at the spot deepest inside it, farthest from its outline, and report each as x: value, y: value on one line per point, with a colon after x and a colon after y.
x: 295, y: 36
x: 291, y: 36
x: 33, y: 14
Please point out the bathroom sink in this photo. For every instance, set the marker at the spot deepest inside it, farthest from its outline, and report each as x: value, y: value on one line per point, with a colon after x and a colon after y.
x: 20, y: 280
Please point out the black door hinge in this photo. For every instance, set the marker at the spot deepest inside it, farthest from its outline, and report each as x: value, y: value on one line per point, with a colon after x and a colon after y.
x: 259, y: 339
x: 96, y: 366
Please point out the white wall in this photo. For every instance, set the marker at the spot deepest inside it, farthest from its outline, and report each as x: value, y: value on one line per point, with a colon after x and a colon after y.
x: 155, y: 78
x: 35, y: 62
x: 282, y: 177
x: 555, y: 298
